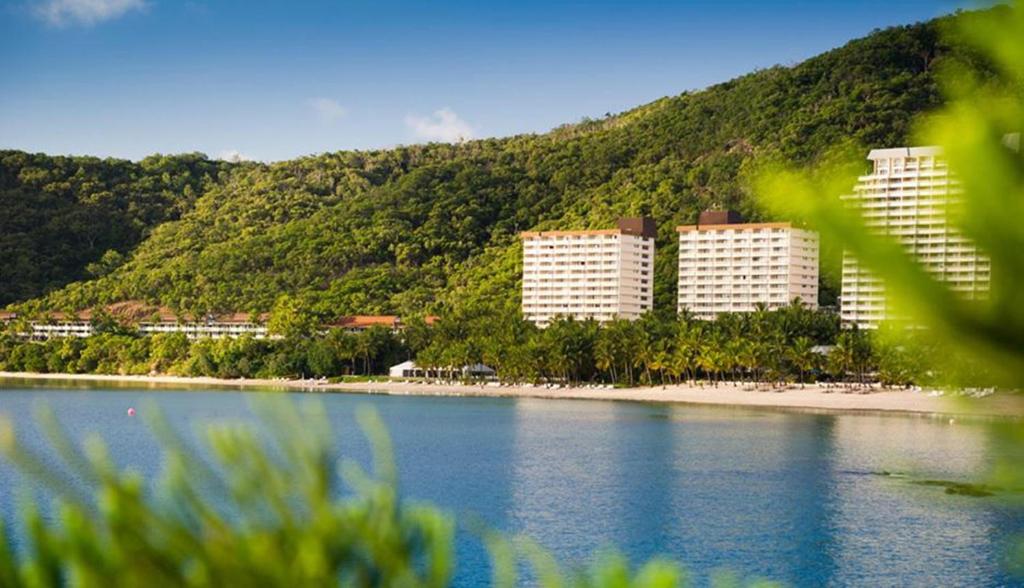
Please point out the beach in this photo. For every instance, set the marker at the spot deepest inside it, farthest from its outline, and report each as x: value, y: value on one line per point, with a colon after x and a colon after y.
x: 809, y: 397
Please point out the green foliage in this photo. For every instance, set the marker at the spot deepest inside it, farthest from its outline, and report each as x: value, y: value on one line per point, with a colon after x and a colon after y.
x: 262, y: 512
x: 778, y: 347
x: 290, y: 320
x: 69, y: 218
x: 335, y: 353
x: 424, y: 228
x: 773, y: 346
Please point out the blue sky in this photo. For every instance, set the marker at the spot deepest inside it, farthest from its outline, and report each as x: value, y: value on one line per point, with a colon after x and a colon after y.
x: 276, y: 80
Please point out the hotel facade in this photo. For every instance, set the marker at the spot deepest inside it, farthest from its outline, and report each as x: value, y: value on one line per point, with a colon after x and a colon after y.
x: 727, y: 266
x: 906, y: 196
x: 600, y: 275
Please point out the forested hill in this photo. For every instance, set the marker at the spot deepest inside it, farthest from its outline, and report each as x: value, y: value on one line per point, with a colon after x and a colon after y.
x: 69, y: 218
x: 407, y: 229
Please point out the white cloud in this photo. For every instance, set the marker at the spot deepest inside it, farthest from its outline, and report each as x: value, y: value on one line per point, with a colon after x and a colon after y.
x: 328, y: 110
x: 444, y: 126
x: 61, y: 13
x: 233, y: 155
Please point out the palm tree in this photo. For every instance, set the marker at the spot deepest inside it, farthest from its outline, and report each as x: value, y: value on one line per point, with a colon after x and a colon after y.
x: 710, y: 360
x: 688, y: 349
x: 747, y: 358
x: 775, y: 357
x: 363, y: 348
x: 840, y: 358
x: 726, y: 361
x: 559, y: 363
x: 734, y: 350
x: 643, y: 356
x: 678, y: 365
x: 802, y: 355
x: 661, y: 359
x: 604, y: 355
x: 629, y: 339
x: 428, y: 359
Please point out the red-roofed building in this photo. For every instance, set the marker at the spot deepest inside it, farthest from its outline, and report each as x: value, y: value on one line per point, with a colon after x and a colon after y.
x: 357, y: 323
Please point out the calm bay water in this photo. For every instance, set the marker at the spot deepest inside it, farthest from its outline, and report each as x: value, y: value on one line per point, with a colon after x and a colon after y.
x: 793, y: 497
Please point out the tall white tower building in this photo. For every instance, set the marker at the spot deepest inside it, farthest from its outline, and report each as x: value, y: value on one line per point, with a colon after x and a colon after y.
x: 603, y: 274
x: 906, y: 196
x: 729, y: 266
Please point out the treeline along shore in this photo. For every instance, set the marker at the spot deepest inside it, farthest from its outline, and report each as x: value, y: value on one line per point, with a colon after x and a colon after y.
x: 787, y: 346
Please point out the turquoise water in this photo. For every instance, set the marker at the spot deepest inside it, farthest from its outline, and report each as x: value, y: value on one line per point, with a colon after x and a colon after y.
x: 793, y: 497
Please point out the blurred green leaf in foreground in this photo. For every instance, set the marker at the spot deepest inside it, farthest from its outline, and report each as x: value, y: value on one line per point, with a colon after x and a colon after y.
x: 979, y: 131
x: 262, y: 512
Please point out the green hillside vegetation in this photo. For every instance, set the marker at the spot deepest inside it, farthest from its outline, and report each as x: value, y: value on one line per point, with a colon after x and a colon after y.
x: 72, y: 218
x: 423, y: 228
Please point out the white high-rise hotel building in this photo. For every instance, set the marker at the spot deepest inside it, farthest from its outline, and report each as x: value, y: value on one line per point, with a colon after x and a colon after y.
x: 728, y: 266
x: 906, y: 196
x: 603, y: 274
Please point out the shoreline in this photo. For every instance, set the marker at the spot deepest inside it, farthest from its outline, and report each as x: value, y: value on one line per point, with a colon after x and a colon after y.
x: 813, y: 397
x: 810, y: 397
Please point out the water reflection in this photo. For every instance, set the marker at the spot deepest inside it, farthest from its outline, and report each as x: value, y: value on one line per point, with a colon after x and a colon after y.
x: 890, y: 530
x: 809, y: 471
x: 792, y: 497
x: 564, y: 473
x: 742, y: 487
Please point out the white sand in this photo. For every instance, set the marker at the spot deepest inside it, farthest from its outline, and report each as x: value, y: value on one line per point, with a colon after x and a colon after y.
x: 814, y: 397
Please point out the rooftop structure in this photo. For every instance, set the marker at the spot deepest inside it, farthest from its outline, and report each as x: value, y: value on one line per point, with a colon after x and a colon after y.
x: 597, y: 274
x: 726, y: 265
x: 358, y: 323
x: 354, y: 324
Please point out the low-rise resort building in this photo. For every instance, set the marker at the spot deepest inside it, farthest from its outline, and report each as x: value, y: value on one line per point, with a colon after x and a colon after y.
x: 211, y: 326
x: 598, y: 274
x: 906, y: 196
x: 149, y: 320
x: 726, y: 265
x: 57, y: 325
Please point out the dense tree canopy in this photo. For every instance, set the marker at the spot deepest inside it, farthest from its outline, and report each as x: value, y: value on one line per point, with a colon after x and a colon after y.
x: 70, y: 218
